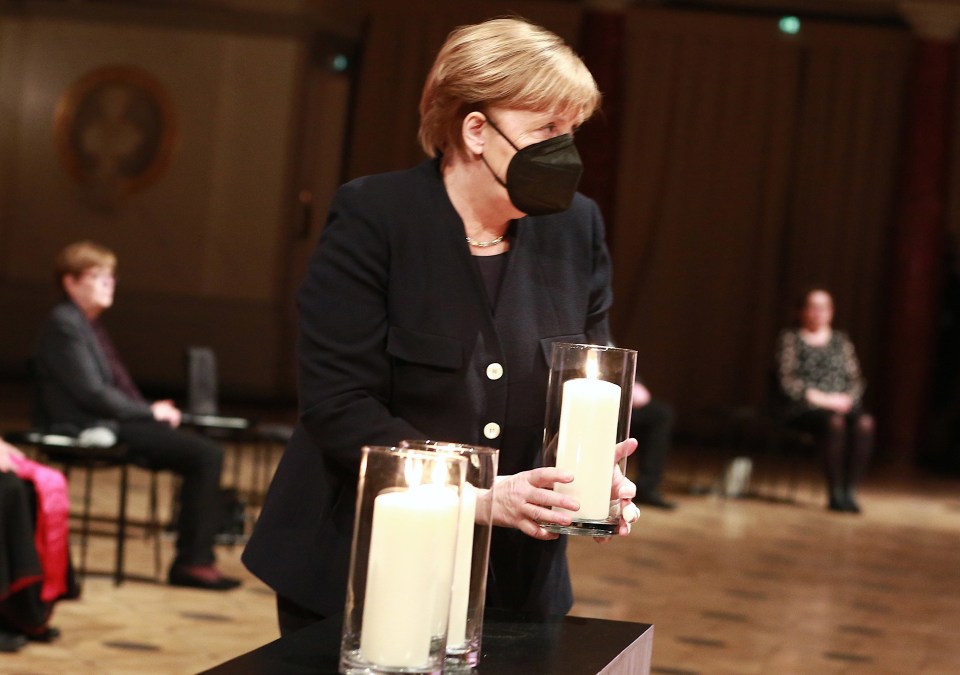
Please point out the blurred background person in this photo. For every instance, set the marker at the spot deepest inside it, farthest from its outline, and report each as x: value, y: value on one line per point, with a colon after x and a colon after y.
x: 35, y: 568
x: 651, y: 423
x: 819, y: 378
x: 82, y: 383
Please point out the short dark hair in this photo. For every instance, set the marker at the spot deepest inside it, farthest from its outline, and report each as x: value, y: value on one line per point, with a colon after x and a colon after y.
x: 80, y: 256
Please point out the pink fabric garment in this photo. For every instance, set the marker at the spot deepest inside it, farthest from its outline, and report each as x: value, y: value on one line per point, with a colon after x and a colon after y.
x: 52, y: 536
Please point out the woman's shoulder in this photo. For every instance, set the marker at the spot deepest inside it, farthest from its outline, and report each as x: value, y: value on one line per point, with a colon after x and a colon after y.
x: 789, y: 334
x: 65, y: 320
x: 841, y: 337
x: 395, y: 197
x: 64, y: 313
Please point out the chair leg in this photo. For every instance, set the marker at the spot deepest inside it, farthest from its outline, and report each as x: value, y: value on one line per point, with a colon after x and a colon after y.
x: 258, y: 470
x: 85, y: 520
x: 795, y: 473
x: 121, y: 525
x: 693, y: 475
x: 237, y: 452
x: 156, y: 529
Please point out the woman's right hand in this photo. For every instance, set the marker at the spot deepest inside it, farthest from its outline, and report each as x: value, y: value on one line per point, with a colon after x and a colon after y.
x: 525, y: 499
x: 166, y: 411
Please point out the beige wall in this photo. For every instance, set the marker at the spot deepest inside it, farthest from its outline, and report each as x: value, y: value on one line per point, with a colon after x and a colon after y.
x: 201, y: 250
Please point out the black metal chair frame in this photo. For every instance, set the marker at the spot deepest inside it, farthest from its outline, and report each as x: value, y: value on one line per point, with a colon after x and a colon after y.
x: 202, y: 413
x: 759, y: 434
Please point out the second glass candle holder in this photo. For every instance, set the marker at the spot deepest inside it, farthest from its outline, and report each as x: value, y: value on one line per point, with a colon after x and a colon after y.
x: 473, y: 550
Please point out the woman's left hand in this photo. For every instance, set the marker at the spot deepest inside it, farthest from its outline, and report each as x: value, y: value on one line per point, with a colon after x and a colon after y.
x: 526, y: 499
x: 624, y: 490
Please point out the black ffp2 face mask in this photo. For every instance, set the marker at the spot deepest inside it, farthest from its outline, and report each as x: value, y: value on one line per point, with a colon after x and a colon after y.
x: 542, y: 177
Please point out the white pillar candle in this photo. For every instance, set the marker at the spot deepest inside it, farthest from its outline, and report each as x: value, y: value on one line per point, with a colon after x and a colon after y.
x: 412, y: 541
x: 586, y: 447
x: 457, y: 633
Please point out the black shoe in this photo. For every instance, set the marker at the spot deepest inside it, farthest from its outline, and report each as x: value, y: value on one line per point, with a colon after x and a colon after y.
x: 850, y: 502
x: 47, y: 635
x: 180, y: 576
x: 838, y: 500
x: 837, y: 504
x: 654, y: 499
x: 11, y: 642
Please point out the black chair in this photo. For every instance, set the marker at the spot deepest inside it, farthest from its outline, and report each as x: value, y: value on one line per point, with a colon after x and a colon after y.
x: 202, y: 382
x: 777, y: 453
x: 713, y: 437
x: 70, y: 453
x: 203, y: 412
x: 238, y: 434
x: 785, y: 451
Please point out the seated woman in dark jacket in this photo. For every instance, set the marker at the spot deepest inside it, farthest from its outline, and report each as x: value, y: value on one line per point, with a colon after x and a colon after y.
x: 83, y: 383
x: 820, y: 378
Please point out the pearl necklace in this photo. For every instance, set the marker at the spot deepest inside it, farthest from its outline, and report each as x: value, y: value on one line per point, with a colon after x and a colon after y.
x: 485, y: 244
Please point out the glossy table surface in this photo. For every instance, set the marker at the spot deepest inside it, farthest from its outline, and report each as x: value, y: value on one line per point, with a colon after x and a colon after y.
x: 511, y: 644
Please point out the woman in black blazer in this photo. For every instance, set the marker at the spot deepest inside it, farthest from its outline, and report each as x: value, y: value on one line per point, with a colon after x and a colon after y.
x: 429, y: 309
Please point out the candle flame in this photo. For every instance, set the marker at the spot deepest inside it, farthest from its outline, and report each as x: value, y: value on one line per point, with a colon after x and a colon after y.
x: 592, y: 366
x: 439, y: 473
x: 413, y: 471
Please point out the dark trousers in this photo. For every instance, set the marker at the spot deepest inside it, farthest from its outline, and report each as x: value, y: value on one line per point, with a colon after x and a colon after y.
x: 198, y: 461
x: 845, y: 443
x: 652, y: 426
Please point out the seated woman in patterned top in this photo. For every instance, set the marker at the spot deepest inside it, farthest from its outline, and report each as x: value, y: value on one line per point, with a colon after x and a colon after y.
x: 819, y: 376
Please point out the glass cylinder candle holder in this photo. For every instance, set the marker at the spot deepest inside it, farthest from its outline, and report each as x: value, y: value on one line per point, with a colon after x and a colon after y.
x: 473, y: 550
x: 401, y: 561
x: 588, y: 413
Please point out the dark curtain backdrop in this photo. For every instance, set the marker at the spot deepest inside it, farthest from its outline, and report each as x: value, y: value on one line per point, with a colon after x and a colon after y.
x: 943, y: 441
x: 750, y: 163
x: 400, y: 45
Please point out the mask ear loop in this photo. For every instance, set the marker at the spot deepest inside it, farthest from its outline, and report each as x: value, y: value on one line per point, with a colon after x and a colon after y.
x: 497, y: 178
x: 497, y: 129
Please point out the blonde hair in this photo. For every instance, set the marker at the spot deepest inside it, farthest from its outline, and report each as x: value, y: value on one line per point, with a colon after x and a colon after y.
x: 80, y: 256
x: 505, y: 62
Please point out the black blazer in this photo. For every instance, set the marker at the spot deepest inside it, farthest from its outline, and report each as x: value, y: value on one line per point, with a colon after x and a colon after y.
x: 73, y: 382
x: 396, y: 334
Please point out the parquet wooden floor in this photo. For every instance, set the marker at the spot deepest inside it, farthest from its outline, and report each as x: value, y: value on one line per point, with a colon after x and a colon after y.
x: 732, y: 586
x: 748, y: 586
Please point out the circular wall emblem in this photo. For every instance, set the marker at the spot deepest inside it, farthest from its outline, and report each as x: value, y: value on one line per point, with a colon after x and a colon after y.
x: 115, y: 131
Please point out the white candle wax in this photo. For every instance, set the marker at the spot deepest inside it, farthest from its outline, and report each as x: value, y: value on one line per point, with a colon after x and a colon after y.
x: 586, y: 447
x: 457, y: 633
x: 409, y: 572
